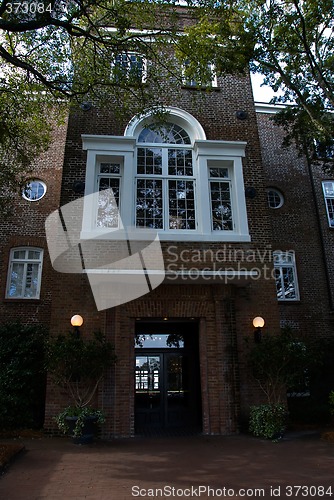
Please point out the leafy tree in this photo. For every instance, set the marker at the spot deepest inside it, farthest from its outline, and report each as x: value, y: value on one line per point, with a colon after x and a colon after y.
x: 59, y: 52
x: 78, y: 365
x: 291, y: 42
x: 280, y: 362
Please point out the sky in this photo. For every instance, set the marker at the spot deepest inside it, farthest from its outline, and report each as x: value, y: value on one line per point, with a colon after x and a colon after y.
x: 261, y: 94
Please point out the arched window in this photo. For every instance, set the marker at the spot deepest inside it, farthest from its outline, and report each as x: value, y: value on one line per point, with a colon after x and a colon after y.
x: 169, y: 133
x: 165, y: 179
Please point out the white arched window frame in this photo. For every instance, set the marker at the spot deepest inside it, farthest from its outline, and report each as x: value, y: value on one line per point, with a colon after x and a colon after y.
x: 217, y: 174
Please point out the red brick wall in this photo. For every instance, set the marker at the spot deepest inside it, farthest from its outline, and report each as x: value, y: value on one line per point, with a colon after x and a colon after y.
x: 296, y: 226
x: 26, y: 228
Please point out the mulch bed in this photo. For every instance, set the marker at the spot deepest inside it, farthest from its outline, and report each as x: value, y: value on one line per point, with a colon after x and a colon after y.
x: 8, y: 451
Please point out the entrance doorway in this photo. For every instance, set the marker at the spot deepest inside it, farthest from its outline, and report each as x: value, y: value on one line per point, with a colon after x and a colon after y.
x: 167, y: 381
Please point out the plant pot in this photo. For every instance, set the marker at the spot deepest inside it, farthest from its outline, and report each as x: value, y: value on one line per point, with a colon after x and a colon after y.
x: 88, y: 430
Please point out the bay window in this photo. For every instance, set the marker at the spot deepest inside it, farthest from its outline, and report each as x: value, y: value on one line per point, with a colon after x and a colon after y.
x: 169, y: 178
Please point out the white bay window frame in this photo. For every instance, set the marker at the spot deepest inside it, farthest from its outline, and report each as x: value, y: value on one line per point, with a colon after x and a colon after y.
x: 206, y: 153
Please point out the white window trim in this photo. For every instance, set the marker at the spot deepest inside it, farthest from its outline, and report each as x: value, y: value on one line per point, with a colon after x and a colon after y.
x: 279, y: 194
x: 25, y: 261
x: 100, y: 175
x: 204, y: 151
x: 36, y: 199
x: 180, y: 117
x: 326, y: 197
x: 292, y: 265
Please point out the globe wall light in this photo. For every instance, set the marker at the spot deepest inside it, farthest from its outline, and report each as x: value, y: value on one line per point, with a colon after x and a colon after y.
x: 76, y: 322
x: 258, y: 324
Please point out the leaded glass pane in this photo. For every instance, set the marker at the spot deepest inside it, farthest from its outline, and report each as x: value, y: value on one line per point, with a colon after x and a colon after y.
x: 275, y: 199
x: 180, y: 162
x: 129, y: 66
x: 34, y: 254
x: 19, y: 254
x: 149, y: 207
x: 221, y: 207
x: 108, y: 202
x: 283, y: 257
x: 110, y: 168
x: 330, y: 210
x: 16, y: 280
x: 220, y: 172
x: 181, y: 204
x: 167, y: 134
x: 31, y: 281
x: 279, y: 284
x: 34, y: 190
x: 149, y: 161
x: 285, y: 276
x: 289, y: 283
x: 329, y: 188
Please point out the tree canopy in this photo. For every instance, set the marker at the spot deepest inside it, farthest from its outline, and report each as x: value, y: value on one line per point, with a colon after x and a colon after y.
x: 291, y: 42
x: 53, y: 52
x: 56, y: 52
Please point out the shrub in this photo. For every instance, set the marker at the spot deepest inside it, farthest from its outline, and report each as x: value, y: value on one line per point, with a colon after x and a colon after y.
x: 267, y: 420
x: 22, y: 375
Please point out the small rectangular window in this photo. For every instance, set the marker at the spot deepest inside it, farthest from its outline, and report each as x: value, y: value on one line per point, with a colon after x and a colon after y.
x: 129, y: 67
x: 200, y: 76
x: 286, y: 275
x: 109, y: 181
x: 24, y: 273
x: 328, y: 189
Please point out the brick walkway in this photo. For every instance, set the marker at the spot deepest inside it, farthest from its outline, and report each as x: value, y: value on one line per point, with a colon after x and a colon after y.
x: 196, y: 467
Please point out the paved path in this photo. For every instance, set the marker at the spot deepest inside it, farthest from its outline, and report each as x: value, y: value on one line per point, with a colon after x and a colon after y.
x: 205, y: 467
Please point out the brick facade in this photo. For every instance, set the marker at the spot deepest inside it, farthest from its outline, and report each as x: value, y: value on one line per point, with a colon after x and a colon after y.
x: 300, y: 225
x: 26, y: 228
x: 221, y: 312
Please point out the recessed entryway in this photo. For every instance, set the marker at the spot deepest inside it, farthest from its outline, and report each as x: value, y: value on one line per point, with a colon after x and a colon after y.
x: 167, y: 379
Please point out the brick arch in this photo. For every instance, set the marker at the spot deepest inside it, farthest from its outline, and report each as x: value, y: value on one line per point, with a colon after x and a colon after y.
x: 211, y: 306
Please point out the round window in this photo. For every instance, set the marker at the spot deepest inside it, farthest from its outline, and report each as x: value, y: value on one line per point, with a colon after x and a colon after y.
x: 34, y: 190
x: 275, y: 198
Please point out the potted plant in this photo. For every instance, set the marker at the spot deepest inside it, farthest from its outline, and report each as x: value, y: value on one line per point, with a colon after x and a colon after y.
x: 78, y: 365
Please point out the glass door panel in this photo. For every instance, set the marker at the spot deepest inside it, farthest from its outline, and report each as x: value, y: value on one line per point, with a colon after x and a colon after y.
x: 148, y: 390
